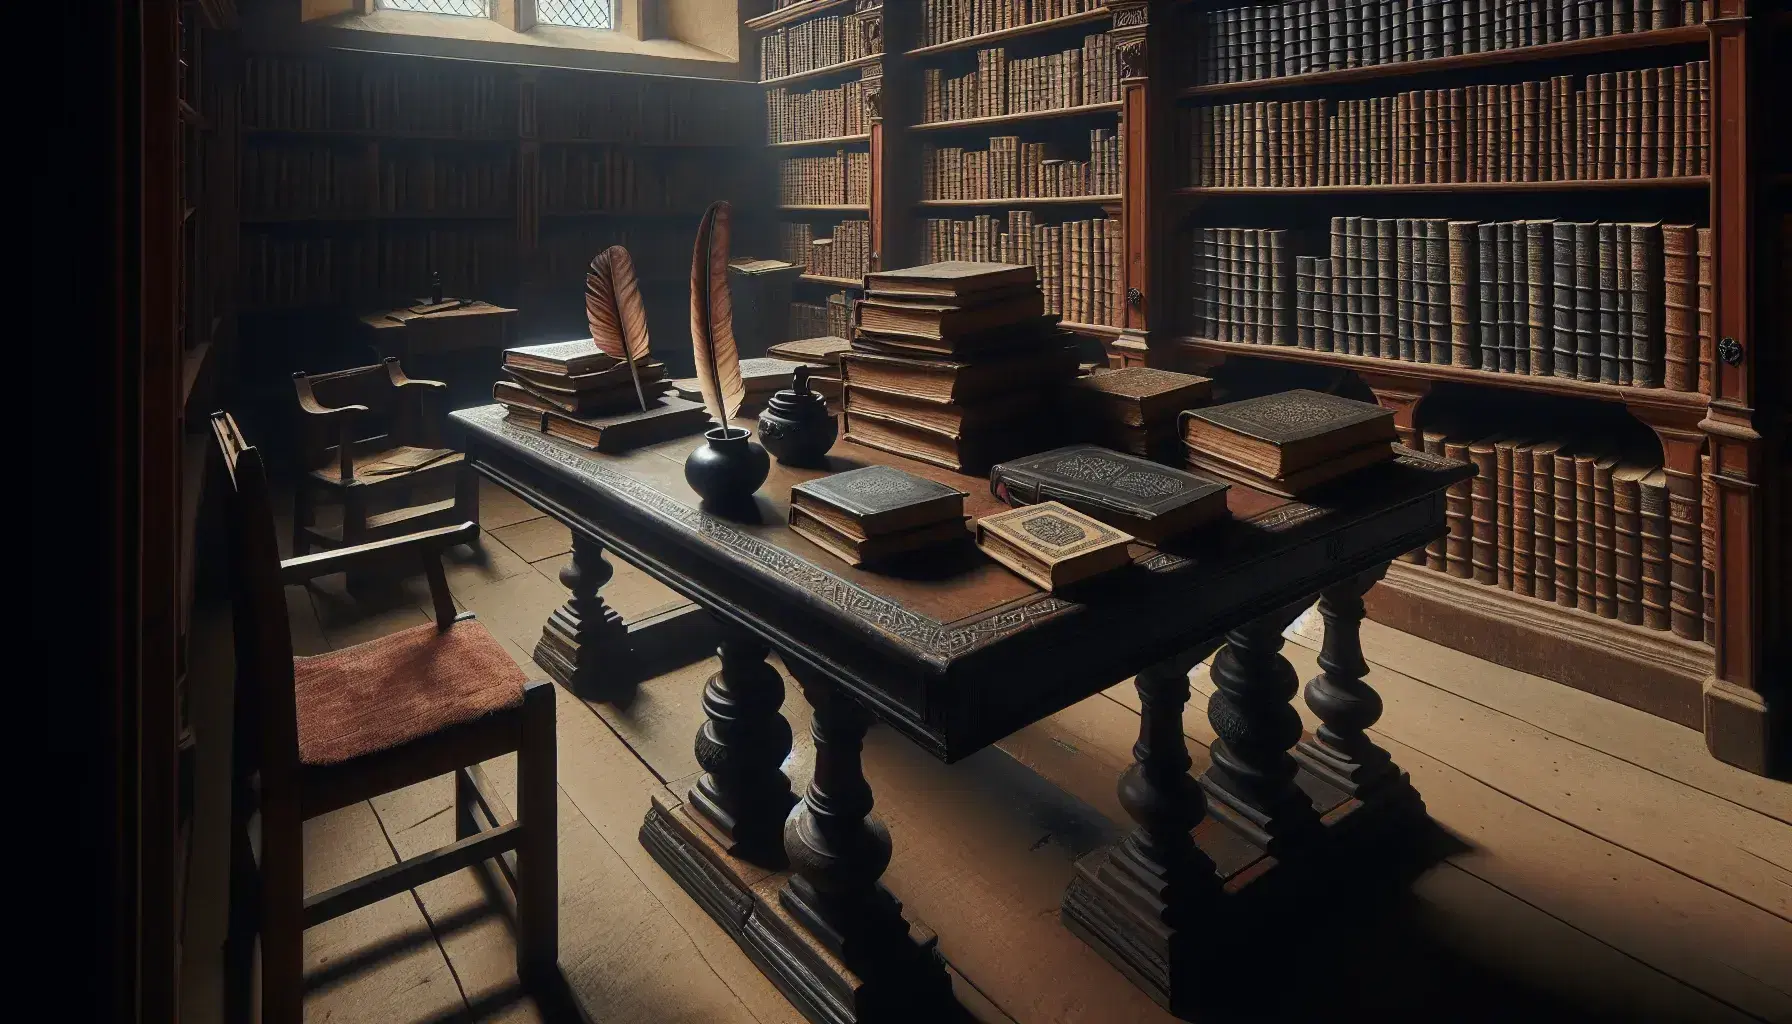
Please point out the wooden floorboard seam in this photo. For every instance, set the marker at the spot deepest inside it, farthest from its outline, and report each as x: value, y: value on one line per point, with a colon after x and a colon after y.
x: 435, y: 932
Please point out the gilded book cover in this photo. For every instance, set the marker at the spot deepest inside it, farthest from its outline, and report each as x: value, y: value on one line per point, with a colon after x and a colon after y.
x: 1279, y: 434
x: 1151, y: 501
x: 1051, y: 544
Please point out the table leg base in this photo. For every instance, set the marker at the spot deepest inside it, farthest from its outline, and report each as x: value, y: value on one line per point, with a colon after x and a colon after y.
x: 905, y: 984
x: 566, y: 656
x: 1181, y: 968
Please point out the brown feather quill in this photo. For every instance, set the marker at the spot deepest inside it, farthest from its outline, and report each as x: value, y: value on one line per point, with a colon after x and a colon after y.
x: 712, y: 318
x: 614, y: 312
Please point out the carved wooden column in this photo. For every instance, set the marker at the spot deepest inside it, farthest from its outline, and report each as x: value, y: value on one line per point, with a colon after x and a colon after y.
x: 1141, y: 903
x: 743, y: 796
x: 837, y: 852
x: 1340, y: 752
x: 584, y: 645
x: 870, y: 14
x: 1737, y: 718
x: 1251, y: 780
x: 1136, y: 286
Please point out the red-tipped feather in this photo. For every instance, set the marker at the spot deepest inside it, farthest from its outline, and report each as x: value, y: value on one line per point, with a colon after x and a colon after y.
x: 614, y: 312
x: 712, y: 318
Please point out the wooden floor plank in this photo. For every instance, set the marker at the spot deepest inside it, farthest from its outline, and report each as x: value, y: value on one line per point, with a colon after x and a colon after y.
x: 377, y: 964
x: 535, y: 539
x: 1653, y: 744
x: 516, y: 607
x: 490, y: 560
x: 499, y: 508
x: 659, y: 720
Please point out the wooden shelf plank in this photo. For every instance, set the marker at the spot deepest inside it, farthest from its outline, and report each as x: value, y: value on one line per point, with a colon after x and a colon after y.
x: 1033, y: 28
x: 1651, y: 398
x: 795, y: 12
x: 833, y: 282
x: 1599, y: 185
x: 831, y: 69
x: 838, y: 140
x: 1024, y: 201
x: 1683, y: 35
x: 825, y: 208
x: 1031, y: 115
x: 1092, y: 330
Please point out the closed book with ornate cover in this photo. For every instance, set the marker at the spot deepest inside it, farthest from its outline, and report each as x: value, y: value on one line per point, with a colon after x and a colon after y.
x: 877, y: 500
x: 1150, y: 501
x: 952, y: 281
x: 561, y: 357
x: 1052, y: 545
x: 1281, y: 434
x: 1140, y: 395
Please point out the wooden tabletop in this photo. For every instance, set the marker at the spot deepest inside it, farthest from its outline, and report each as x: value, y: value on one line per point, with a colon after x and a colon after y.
x: 953, y: 649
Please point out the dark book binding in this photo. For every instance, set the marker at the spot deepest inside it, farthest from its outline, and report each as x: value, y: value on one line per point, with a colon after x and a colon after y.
x: 1149, y: 501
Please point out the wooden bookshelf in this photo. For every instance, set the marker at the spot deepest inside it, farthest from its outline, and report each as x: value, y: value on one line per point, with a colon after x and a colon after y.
x: 794, y: 12
x: 1414, y: 187
x: 1031, y: 115
x: 1012, y: 201
x: 833, y: 282
x: 824, y: 72
x: 839, y: 140
x: 1685, y: 35
x: 1031, y: 28
x: 824, y: 208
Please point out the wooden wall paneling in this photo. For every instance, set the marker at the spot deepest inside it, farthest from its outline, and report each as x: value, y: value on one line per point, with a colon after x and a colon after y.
x: 1737, y: 720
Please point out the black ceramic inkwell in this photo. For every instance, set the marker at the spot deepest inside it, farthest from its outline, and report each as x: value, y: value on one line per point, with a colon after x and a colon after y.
x: 796, y: 426
x: 728, y: 467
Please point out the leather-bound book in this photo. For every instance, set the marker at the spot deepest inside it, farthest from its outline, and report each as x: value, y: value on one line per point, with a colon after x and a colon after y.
x: 1433, y: 442
x: 1563, y: 341
x: 1687, y: 603
x: 1707, y: 318
x: 945, y: 380
x: 1538, y: 292
x: 1051, y: 545
x: 1566, y: 529
x: 561, y: 358
x: 1653, y: 501
x: 970, y: 452
x: 1483, y: 512
x: 1303, y: 302
x: 1353, y: 285
x: 1523, y: 532
x: 1543, y: 522
x: 1153, y: 503
x: 1606, y: 254
x: 1648, y: 90
x: 1281, y: 434
x: 618, y: 395
x: 1586, y: 301
x: 956, y: 282
x: 1138, y: 396
x: 1585, y: 543
x: 1437, y: 262
x: 1708, y: 544
x: 1340, y: 300
x: 1679, y: 251
x: 823, y: 351
x: 666, y: 418
x: 1504, y: 451
x: 1323, y: 319
x: 997, y: 412
x: 1506, y: 315
x: 946, y: 324
x: 1626, y: 340
x: 1645, y: 305
x: 877, y: 500
x: 1387, y: 344
x: 1605, y: 599
x: 1627, y: 526
x: 1488, y: 308
x: 857, y: 550
x: 1403, y: 291
x: 1521, y: 299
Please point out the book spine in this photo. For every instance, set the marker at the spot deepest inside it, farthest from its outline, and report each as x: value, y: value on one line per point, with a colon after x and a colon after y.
x: 1707, y: 349
x: 1585, y: 542
x: 1654, y: 504
x: 1607, y: 277
x: 1487, y: 250
x: 1586, y: 302
x: 1566, y: 530
x: 1523, y: 531
x: 1503, y: 513
x: 1539, y: 289
x: 1564, y: 343
x: 1433, y: 443
x: 1458, y: 502
x: 1627, y: 567
x: 1483, y: 513
x: 1604, y: 541
x: 1687, y: 604
x: 1679, y: 307
x: 1708, y: 545
x: 1505, y: 322
x: 1543, y: 523
x: 1465, y: 258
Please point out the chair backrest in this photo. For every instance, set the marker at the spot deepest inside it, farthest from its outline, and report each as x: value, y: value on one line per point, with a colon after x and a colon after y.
x: 267, y: 718
x: 390, y: 411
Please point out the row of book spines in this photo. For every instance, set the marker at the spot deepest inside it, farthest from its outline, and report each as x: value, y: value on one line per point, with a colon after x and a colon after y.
x: 817, y: 43
x: 1012, y: 169
x: 823, y: 180
x: 1245, y: 44
x: 819, y: 320
x: 816, y: 114
x: 846, y: 254
x: 282, y: 271
x: 1626, y: 304
x: 1078, y: 262
x: 1002, y: 86
x: 944, y: 21
x: 1578, y: 527
x: 1652, y: 123
x: 287, y: 180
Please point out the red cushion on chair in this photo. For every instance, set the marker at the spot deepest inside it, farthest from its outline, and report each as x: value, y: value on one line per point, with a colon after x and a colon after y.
x: 387, y: 692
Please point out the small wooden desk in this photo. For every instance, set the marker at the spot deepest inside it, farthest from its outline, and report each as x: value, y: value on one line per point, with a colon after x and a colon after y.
x: 956, y: 653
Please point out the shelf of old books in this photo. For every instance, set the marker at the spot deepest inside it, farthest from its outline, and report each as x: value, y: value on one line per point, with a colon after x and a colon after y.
x: 1537, y: 301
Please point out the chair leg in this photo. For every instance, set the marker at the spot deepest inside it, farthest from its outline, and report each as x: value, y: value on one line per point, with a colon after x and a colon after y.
x: 464, y: 797
x: 282, y: 915
x: 466, y: 495
x: 538, y: 869
x: 304, y: 514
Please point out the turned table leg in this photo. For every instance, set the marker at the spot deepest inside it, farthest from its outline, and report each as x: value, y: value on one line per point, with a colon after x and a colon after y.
x: 1141, y: 902
x: 1341, y: 752
x: 743, y: 796
x: 584, y: 644
x: 1251, y: 780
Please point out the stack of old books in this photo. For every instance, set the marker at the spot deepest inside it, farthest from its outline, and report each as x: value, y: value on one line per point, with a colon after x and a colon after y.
x: 762, y: 376
x: 956, y: 364
x: 1134, y: 409
x: 571, y: 389
x: 865, y: 516
x: 1288, y: 443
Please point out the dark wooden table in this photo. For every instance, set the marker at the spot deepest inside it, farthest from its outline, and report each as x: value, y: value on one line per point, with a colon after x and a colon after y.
x: 956, y: 652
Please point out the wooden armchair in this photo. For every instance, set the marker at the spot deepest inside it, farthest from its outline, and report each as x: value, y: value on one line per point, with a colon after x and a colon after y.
x: 318, y: 733
x: 368, y: 438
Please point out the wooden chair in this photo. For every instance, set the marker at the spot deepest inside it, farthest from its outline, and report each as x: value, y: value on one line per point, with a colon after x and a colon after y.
x: 318, y: 733
x: 368, y: 436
